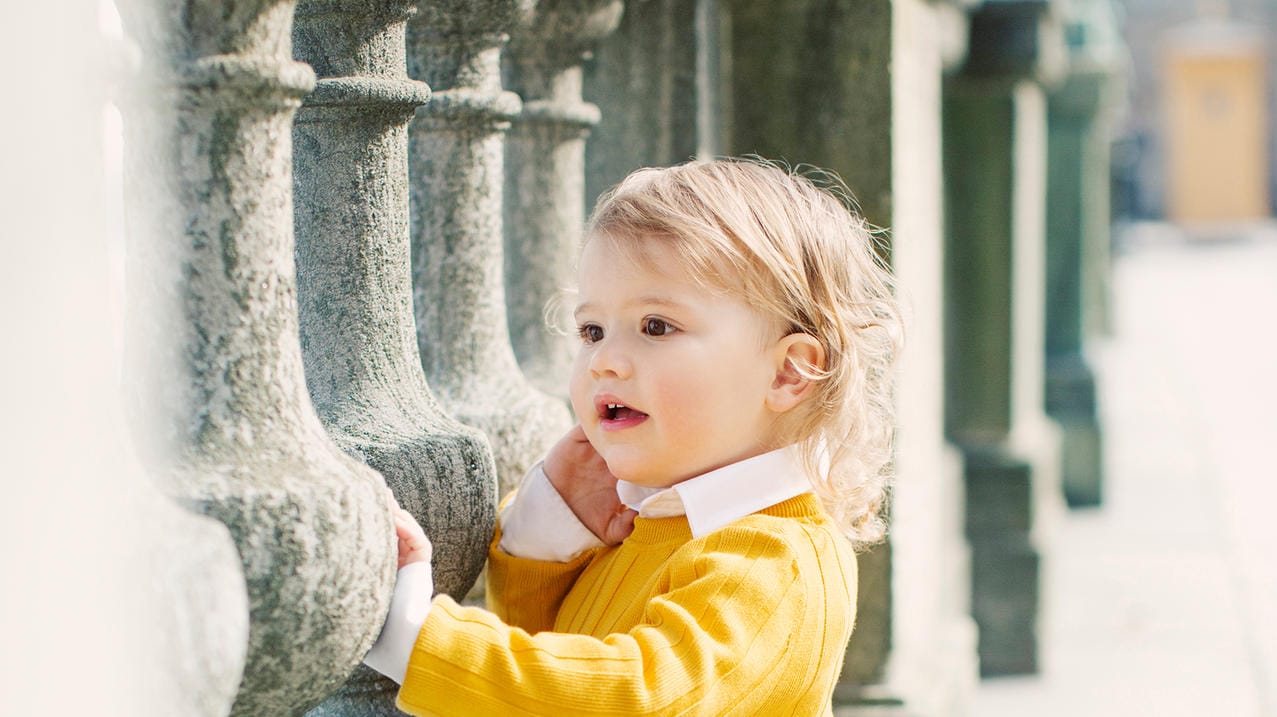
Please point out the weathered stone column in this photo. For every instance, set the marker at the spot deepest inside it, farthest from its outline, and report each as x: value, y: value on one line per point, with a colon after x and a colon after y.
x: 311, y: 525
x: 115, y: 600
x: 995, y: 188
x: 876, y: 122
x: 456, y: 160
x: 545, y: 180
x: 355, y: 281
x: 355, y: 297
x: 1078, y: 238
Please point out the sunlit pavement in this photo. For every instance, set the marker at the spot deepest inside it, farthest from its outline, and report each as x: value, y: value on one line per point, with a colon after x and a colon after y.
x: 1164, y: 600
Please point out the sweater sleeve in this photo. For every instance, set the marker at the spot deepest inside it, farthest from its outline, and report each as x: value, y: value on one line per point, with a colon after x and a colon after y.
x: 527, y: 593
x: 726, y: 633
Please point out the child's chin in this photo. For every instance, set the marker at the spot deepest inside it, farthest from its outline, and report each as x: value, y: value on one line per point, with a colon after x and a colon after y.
x: 628, y: 472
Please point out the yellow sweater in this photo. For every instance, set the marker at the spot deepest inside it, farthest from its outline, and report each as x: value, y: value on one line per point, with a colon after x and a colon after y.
x: 751, y: 619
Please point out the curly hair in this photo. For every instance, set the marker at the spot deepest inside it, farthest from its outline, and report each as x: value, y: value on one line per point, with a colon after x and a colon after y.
x: 791, y: 243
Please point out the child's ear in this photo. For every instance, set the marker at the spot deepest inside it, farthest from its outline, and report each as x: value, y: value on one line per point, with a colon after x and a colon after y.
x: 789, y: 386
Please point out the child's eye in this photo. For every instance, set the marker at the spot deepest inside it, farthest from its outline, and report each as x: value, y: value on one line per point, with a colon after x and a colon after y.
x: 590, y: 333
x: 657, y: 327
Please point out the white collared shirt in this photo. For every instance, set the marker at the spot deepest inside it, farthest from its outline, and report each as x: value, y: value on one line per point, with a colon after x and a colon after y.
x: 712, y: 500
x: 538, y: 524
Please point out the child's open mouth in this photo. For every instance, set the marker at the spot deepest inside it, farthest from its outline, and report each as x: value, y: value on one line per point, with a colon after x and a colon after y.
x: 619, y: 415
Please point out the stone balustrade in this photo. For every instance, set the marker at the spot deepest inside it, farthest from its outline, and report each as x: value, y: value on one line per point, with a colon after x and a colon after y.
x: 280, y: 386
x: 1080, y: 113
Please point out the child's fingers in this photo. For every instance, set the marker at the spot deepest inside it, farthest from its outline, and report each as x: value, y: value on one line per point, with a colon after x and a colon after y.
x: 406, y: 525
x: 410, y: 533
x: 413, y: 545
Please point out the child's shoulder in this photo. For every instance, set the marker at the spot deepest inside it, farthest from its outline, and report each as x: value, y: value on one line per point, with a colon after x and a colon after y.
x: 801, y: 515
x: 796, y: 530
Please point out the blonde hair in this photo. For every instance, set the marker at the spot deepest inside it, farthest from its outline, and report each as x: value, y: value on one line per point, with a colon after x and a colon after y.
x: 791, y: 244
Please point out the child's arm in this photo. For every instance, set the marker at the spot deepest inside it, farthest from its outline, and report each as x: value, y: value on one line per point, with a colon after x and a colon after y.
x: 543, y: 537
x: 537, y: 524
x: 564, y: 508
x: 748, y: 621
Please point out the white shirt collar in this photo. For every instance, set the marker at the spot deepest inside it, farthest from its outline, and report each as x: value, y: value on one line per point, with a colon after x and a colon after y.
x: 712, y: 500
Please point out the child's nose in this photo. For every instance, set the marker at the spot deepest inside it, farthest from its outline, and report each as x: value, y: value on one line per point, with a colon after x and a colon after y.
x: 610, y: 358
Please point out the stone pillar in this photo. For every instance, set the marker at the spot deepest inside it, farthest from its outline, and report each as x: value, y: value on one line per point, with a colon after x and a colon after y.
x: 354, y: 286
x: 116, y: 601
x: 311, y: 525
x: 995, y: 188
x: 1078, y: 238
x: 456, y: 159
x: 877, y: 123
x: 355, y: 282
x: 545, y: 180
x: 659, y: 81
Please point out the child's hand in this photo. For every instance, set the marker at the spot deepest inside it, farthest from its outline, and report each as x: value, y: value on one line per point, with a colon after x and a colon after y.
x: 414, y: 546
x: 581, y: 476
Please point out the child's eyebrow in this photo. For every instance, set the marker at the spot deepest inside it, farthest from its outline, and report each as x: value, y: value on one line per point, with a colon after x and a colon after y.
x: 642, y: 301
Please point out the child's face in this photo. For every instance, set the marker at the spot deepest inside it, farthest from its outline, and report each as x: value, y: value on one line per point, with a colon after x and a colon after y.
x: 671, y: 378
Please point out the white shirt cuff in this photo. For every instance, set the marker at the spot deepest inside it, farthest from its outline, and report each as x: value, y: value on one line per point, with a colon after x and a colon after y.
x: 409, y: 606
x: 538, y: 524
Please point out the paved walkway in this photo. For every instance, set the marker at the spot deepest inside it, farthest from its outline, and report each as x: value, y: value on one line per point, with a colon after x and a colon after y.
x: 1164, y: 600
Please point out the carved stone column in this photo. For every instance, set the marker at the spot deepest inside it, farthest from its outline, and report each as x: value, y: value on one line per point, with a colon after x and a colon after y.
x: 195, y: 608
x: 355, y: 281
x: 115, y: 600
x: 311, y: 525
x: 456, y: 160
x: 995, y: 149
x: 545, y: 179
x: 1078, y: 239
x: 355, y: 294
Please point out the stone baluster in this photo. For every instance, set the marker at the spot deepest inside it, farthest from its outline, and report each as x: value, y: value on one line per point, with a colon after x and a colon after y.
x: 355, y: 297
x: 214, y: 168
x: 876, y: 122
x: 1078, y: 188
x: 456, y: 160
x: 355, y: 281
x: 995, y: 149
x: 136, y: 604
x: 545, y: 180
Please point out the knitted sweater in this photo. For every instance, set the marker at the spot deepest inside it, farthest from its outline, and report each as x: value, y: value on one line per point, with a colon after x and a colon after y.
x: 751, y: 619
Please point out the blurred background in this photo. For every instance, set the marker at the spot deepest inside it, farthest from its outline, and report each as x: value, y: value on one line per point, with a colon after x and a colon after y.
x: 263, y: 258
x: 1161, y: 598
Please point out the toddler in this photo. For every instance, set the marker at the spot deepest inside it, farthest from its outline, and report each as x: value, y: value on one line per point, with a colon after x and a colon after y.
x: 688, y: 547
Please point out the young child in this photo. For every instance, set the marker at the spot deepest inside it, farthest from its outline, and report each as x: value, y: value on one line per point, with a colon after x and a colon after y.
x: 684, y: 550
